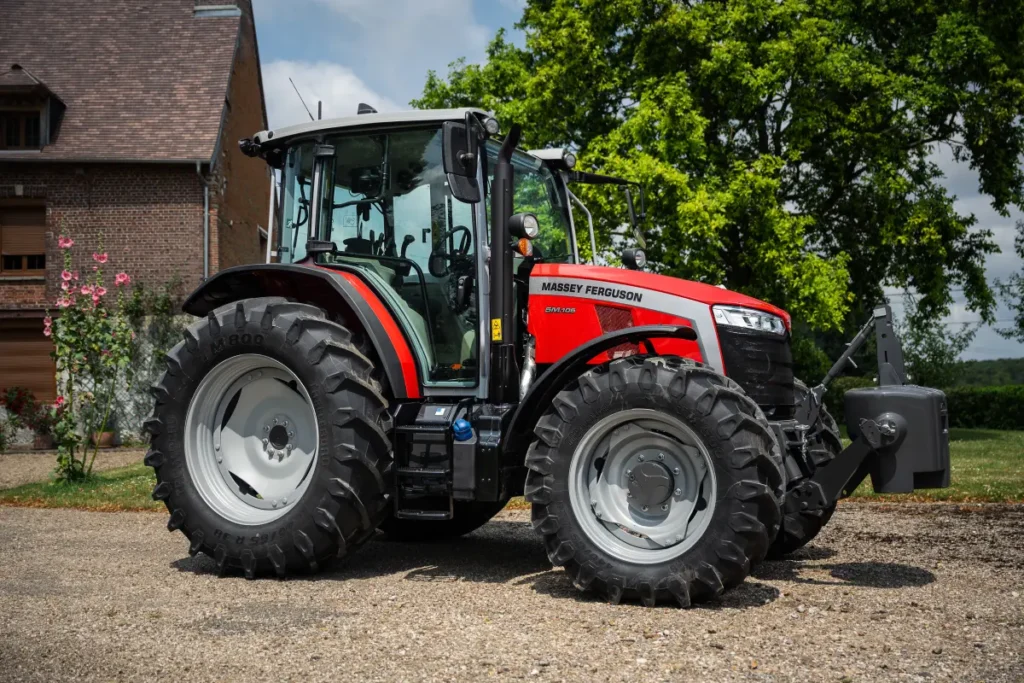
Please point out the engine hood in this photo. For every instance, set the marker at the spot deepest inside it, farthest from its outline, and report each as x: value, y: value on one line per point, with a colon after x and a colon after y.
x: 695, y: 291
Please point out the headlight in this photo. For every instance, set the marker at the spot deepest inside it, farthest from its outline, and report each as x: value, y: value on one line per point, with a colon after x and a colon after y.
x: 749, y: 318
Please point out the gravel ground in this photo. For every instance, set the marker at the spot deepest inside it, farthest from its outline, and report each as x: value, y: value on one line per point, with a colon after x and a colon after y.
x: 24, y: 468
x: 914, y: 592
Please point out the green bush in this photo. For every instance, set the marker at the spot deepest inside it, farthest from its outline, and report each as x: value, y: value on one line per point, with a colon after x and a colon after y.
x: 836, y: 390
x: 999, y: 407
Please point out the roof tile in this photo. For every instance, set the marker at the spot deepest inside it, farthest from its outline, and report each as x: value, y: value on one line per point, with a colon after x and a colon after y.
x: 140, y: 81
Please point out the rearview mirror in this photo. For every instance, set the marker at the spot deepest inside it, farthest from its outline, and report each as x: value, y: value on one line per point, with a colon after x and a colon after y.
x: 460, y: 155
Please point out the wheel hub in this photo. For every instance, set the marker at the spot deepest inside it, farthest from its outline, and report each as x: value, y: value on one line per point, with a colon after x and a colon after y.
x: 278, y: 436
x: 649, y: 484
x: 251, y: 438
x: 642, y: 485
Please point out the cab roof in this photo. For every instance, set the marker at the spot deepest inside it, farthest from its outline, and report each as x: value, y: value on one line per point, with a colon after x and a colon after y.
x: 360, y: 121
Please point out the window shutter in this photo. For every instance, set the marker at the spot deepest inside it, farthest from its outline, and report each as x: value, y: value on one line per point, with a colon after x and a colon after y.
x: 22, y: 230
x: 22, y: 240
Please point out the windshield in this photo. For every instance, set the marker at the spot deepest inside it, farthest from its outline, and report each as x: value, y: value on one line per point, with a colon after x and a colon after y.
x: 537, y: 192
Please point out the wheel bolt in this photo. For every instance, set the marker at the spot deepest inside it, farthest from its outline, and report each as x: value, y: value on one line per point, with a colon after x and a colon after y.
x: 676, y: 470
x: 249, y: 377
x: 274, y: 504
x: 266, y: 442
x: 284, y: 501
x: 266, y: 428
x: 640, y: 457
x: 285, y: 423
x: 275, y: 420
x: 661, y: 456
x: 629, y: 494
x: 664, y: 507
x: 291, y: 434
x: 644, y: 508
x: 679, y: 491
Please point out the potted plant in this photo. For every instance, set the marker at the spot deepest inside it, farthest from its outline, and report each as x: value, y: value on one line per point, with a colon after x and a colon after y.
x: 105, y: 435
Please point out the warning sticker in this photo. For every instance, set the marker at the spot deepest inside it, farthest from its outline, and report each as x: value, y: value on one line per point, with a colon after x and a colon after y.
x: 496, y: 329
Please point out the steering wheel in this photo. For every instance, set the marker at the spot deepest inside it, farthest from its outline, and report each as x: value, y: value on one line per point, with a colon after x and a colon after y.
x: 440, y: 260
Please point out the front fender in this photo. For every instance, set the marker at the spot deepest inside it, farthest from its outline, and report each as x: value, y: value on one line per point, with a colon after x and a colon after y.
x: 339, y: 292
x: 543, y: 391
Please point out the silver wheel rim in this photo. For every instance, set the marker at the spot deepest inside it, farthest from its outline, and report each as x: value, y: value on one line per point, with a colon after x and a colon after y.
x: 251, y: 439
x: 620, y: 467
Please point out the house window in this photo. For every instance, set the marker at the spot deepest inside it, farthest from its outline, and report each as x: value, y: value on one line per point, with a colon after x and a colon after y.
x: 22, y: 240
x: 20, y: 129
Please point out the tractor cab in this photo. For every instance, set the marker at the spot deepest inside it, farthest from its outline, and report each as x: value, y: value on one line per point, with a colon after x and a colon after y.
x: 382, y: 195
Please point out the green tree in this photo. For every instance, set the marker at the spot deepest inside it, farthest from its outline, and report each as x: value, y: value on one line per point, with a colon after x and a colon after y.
x: 1012, y: 291
x: 932, y: 348
x: 785, y: 144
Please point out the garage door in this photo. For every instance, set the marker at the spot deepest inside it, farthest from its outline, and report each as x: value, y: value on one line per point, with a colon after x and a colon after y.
x: 25, y: 357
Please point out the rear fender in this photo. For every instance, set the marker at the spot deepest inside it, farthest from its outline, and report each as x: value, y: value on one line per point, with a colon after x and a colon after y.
x: 543, y: 391
x: 339, y: 293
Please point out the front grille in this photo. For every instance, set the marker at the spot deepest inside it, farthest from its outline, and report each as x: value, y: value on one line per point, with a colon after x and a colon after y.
x: 612, y: 319
x: 763, y: 365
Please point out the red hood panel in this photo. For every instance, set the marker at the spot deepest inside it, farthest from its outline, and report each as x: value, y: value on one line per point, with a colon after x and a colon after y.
x: 697, y: 291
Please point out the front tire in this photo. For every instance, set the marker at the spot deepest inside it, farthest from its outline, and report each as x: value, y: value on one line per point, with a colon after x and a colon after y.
x: 270, y: 439
x: 598, y: 503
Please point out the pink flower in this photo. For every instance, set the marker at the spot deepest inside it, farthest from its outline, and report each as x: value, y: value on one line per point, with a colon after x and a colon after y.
x: 87, y: 289
x: 66, y: 286
x: 59, y: 402
x: 95, y: 299
x: 63, y: 302
x: 47, y: 332
x: 66, y: 275
x: 75, y: 275
x: 65, y: 242
x: 100, y: 291
x: 122, y: 279
x: 95, y: 267
x: 99, y: 258
x: 47, y: 321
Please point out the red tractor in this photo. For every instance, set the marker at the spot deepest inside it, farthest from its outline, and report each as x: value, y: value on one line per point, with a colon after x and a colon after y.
x: 429, y: 345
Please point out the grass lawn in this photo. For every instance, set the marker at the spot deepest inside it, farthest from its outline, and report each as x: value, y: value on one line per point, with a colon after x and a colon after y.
x: 988, y: 466
x: 127, y: 488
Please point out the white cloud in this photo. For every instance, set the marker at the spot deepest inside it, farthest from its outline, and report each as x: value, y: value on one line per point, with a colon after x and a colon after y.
x: 337, y: 86
x: 397, y: 41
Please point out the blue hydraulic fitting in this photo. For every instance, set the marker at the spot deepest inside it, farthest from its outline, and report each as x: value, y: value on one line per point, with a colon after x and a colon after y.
x: 462, y: 430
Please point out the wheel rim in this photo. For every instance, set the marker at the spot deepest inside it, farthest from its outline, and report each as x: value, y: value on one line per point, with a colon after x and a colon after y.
x: 635, y: 459
x: 251, y: 439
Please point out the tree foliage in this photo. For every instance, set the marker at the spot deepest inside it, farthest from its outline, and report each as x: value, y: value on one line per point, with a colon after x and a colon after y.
x: 785, y: 144
x: 1012, y: 291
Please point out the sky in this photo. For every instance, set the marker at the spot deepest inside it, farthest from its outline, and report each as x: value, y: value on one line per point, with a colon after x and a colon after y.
x: 343, y: 52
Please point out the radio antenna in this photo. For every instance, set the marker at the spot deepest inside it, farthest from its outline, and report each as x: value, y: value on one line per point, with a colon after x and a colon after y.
x: 300, y: 99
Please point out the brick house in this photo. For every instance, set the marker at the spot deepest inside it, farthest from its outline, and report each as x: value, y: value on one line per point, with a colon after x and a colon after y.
x: 120, y: 121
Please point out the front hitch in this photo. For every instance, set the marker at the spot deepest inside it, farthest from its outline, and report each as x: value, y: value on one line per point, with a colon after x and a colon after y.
x: 899, y: 431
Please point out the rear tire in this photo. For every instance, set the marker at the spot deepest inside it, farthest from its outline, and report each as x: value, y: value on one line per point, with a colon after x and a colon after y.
x: 343, y: 495
x: 468, y: 517
x: 681, y: 409
x: 823, y: 444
